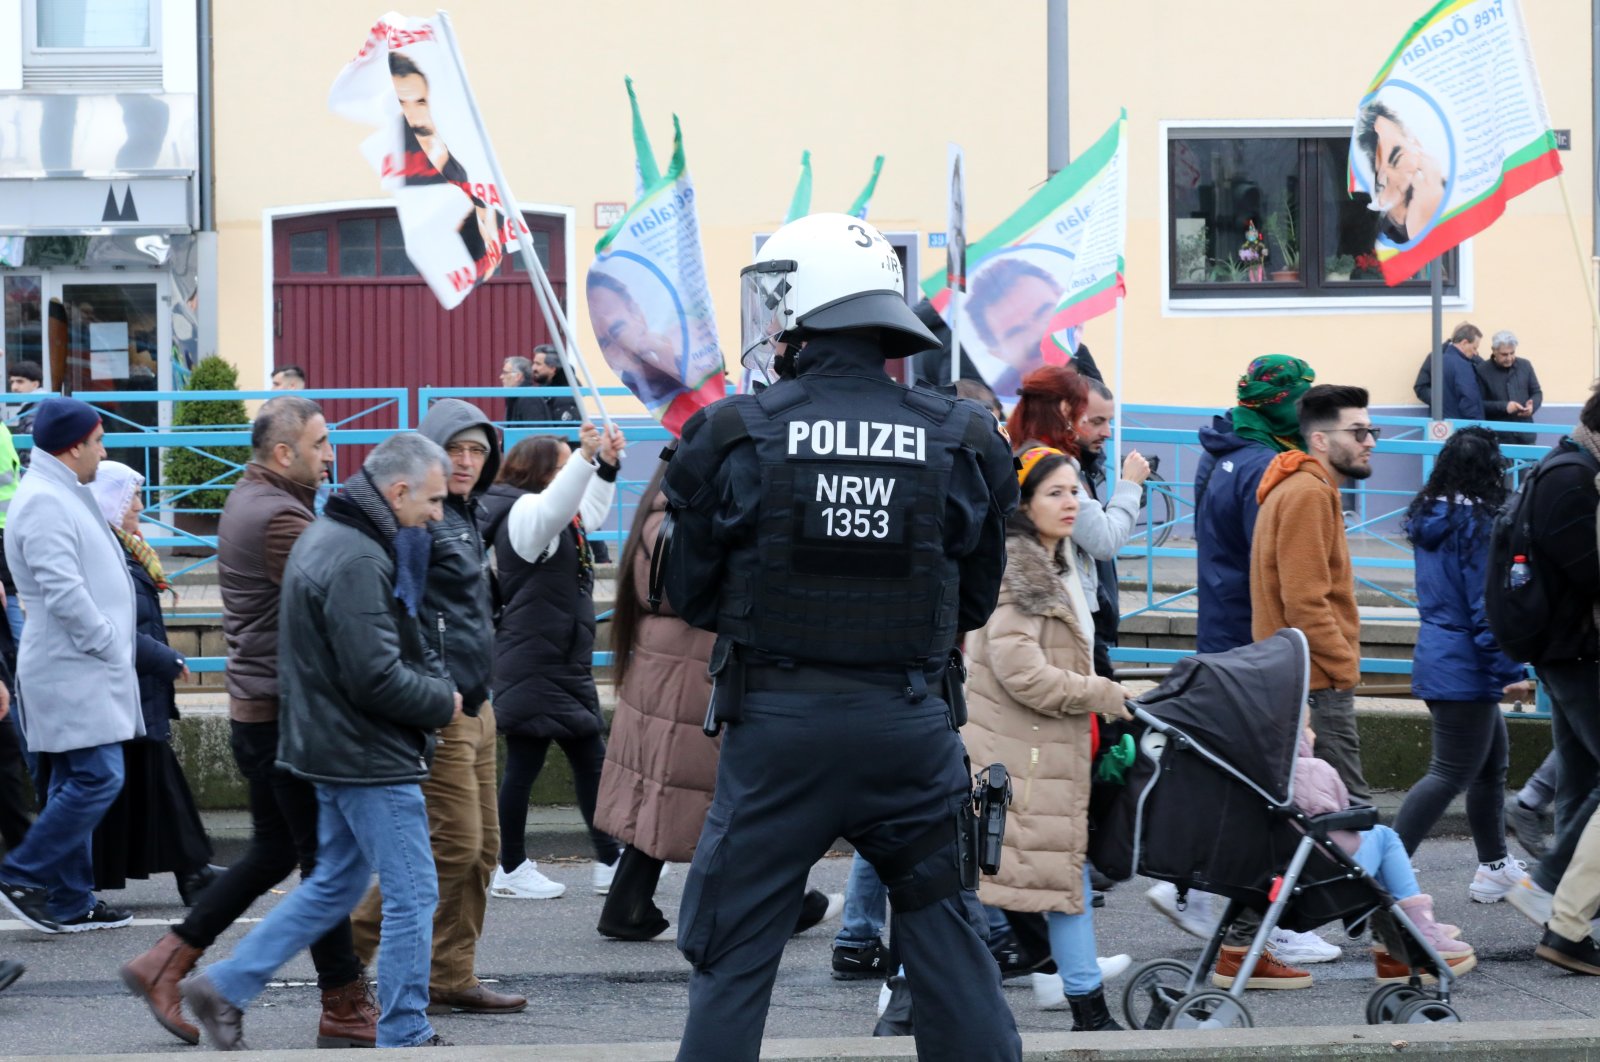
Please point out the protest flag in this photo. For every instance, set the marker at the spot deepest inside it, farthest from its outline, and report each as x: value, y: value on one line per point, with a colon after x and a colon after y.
x: 858, y: 209
x: 800, y: 202
x: 648, y: 298
x: 1452, y: 127
x: 1045, y: 270
x: 432, y: 152
x: 645, y: 171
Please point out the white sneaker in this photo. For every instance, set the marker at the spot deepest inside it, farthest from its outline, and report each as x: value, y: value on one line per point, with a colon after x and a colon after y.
x: 883, y: 998
x: 1195, y: 919
x: 524, y: 883
x: 1297, y: 949
x: 1491, y: 886
x: 603, y: 875
x: 1531, y: 900
x: 835, y: 906
x: 1114, y: 967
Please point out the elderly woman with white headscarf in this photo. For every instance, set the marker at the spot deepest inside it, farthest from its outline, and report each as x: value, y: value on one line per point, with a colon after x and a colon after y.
x: 153, y: 828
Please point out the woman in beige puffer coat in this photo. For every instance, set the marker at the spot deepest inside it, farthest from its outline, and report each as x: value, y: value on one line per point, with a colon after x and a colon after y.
x: 1030, y: 693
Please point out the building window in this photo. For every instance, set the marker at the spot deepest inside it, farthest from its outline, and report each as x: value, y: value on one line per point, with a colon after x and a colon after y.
x: 83, y: 44
x: 369, y: 245
x: 1263, y: 214
x: 308, y: 251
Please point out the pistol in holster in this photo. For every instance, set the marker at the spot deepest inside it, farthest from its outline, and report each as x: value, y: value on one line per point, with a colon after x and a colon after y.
x: 991, y: 795
x: 727, y: 687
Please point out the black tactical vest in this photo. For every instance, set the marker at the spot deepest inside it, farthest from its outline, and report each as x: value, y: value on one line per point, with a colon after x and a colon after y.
x: 849, y: 565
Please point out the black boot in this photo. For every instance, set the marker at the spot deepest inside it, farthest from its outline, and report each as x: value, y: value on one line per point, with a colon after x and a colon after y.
x: 897, y: 1019
x: 1089, y: 1013
x: 192, y: 883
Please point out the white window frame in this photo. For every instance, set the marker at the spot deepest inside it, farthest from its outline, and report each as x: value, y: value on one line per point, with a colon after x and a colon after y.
x: 35, y: 56
x: 1304, y: 306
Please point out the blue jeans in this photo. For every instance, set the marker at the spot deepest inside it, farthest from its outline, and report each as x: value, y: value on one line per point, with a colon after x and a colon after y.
x: 865, y: 907
x: 58, y: 852
x: 14, y: 617
x: 1383, y: 855
x: 1072, y: 945
x: 359, y: 829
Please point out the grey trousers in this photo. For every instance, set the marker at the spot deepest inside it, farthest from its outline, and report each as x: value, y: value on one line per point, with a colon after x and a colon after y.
x: 1540, y: 791
x: 1333, y: 717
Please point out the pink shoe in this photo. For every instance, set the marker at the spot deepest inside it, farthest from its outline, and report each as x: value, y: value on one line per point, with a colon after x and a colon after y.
x: 1419, y: 909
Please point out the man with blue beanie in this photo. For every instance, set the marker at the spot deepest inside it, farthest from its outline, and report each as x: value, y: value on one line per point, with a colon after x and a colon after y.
x: 75, y: 669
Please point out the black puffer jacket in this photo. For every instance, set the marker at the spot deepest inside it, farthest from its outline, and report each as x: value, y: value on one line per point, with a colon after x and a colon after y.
x: 457, y: 608
x: 361, y: 695
x: 544, y: 644
x: 157, y: 663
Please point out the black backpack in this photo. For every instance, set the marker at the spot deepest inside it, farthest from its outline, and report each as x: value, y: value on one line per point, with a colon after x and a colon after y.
x: 1520, y: 616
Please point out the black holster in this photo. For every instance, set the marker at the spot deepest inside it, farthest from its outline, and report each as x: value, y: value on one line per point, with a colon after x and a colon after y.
x: 955, y: 689
x: 990, y: 798
x: 727, y: 687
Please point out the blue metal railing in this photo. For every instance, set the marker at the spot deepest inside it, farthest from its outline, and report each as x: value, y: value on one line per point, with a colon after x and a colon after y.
x: 382, y: 411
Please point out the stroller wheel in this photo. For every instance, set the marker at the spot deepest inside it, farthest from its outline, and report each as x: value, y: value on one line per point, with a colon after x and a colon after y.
x: 1427, y: 1011
x: 1153, y: 990
x: 1384, y: 1004
x: 1209, y: 1009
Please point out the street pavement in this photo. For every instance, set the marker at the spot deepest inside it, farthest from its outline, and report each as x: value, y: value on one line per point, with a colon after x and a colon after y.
x: 585, y: 989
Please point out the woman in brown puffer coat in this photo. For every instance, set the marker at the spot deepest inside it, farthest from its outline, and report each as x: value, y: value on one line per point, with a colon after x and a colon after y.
x: 660, y: 767
x: 1031, y: 692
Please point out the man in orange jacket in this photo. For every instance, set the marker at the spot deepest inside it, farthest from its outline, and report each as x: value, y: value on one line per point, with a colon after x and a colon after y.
x: 1300, y: 572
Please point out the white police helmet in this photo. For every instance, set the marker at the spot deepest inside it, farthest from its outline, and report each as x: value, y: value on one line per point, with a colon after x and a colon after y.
x: 826, y: 273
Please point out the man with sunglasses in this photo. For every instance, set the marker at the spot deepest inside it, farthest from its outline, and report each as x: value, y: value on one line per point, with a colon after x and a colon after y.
x: 1300, y: 571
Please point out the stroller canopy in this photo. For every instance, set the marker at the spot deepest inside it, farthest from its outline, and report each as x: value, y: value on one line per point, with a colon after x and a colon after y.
x: 1247, y: 706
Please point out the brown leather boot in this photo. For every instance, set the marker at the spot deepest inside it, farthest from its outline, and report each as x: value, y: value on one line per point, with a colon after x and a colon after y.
x: 349, y: 1016
x: 154, y: 977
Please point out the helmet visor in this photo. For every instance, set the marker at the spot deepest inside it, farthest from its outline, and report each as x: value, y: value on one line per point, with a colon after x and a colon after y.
x: 763, y: 314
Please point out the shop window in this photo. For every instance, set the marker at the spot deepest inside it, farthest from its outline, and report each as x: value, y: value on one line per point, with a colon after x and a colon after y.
x: 102, y: 43
x: 1266, y: 215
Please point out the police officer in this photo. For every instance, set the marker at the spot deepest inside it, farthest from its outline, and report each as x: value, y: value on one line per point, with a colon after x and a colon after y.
x: 837, y: 531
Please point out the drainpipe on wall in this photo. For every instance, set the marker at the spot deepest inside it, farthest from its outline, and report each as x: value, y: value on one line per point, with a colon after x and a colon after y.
x: 1058, y: 144
x: 205, y: 193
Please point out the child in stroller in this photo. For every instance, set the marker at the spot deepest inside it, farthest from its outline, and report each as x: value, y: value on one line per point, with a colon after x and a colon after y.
x: 1226, y: 732
x: 1318, y: 790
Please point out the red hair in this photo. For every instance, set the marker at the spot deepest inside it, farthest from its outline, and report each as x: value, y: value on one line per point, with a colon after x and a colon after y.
x: 1038, y: 417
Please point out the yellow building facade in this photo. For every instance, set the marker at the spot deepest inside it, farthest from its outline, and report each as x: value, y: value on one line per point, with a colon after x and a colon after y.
x: 755, y: 84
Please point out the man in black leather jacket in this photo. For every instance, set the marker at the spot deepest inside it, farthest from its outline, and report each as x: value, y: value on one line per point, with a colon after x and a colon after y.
x: 361, y: 698
x: 463, y: 823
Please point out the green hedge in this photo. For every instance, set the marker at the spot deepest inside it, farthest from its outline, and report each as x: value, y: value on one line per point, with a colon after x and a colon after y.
x: 186, y: 467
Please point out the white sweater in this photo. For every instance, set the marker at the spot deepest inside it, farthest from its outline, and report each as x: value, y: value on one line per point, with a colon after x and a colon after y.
x: 536, y: 521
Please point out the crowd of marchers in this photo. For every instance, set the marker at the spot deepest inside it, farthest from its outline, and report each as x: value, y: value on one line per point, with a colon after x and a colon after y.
x: 384, y: 637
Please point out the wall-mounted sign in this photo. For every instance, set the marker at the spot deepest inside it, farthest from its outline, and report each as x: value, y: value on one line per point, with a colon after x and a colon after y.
x: 72, y: 206
x: 938, y: 239
x: 1563, y: 139
x: 608, y: 214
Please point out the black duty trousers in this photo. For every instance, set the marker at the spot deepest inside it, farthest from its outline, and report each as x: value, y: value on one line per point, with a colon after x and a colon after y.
x: 797, y: 772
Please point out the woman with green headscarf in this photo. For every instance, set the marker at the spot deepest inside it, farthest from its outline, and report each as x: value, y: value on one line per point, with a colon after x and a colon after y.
x: 1239, y: 445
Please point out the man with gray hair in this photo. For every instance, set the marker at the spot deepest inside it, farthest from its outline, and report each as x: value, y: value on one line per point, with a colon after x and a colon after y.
x: 361, y: 697
x: 1511, y: 390
x: 267, y: 511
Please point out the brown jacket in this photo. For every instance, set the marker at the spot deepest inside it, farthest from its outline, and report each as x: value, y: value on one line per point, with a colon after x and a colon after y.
x: 660, y: 767
x: 264, y: 516
x: 1031, y: 688
x: 1300, y: 573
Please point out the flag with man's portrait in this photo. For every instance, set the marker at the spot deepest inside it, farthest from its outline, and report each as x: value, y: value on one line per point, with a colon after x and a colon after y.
x: 428, y: 153
x: 648, y: 298
x: 1055, y: 263
x: 1452, y: 128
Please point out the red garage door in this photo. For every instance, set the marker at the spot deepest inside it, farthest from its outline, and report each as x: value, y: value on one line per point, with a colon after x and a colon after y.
x: 351, y: 310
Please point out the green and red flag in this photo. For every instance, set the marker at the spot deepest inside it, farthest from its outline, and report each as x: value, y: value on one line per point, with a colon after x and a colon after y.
x: 1045, y: 270
x: 648, y: 298
x: 1452, y: 127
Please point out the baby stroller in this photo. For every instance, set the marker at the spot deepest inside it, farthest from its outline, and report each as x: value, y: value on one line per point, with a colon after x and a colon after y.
x: 1219, y: 735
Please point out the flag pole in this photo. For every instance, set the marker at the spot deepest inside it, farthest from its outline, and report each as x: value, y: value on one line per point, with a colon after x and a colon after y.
x: 566, y: 349
x: 1115, y: 470
x: 1583, y: 259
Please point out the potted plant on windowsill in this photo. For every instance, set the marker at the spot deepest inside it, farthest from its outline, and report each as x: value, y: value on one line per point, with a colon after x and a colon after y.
x: 1338, y: 268
x: 1281, y: 228
x: 199, y: 511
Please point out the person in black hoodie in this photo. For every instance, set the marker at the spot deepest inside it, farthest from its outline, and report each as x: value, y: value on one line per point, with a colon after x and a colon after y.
x: 463, y: 820
x: 535, y: 517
